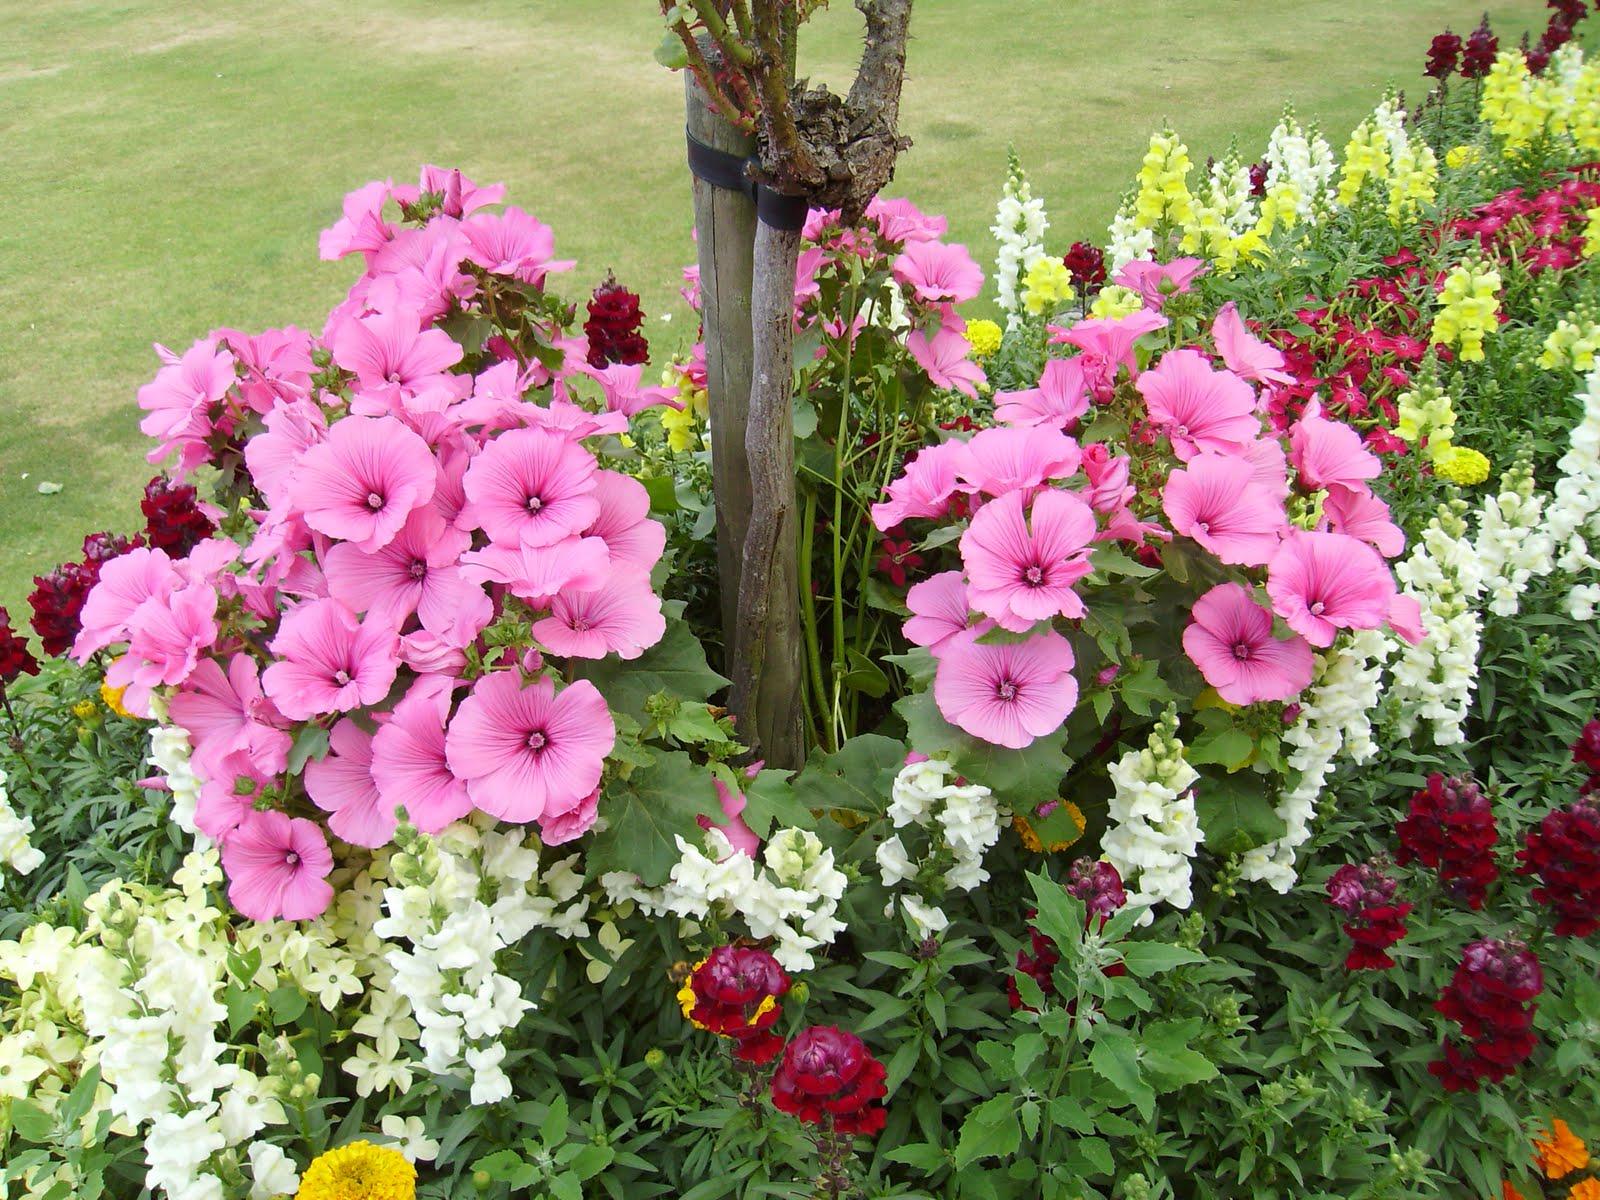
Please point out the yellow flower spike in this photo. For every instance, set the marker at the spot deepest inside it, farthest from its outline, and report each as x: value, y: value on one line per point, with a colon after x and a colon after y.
x: 359, y: 1171
x: 1591, y: 233
x: 1046, y: 285
x: 1462, y: 156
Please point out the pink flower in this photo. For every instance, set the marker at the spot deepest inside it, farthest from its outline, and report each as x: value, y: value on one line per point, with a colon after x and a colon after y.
x: 1362, y: 515
x: 899, y: 220
x: 183, y: 401
x: 937, y: 272
x: 1156, y: 281
x: 1244, y: 355
x: 341, y: 784
x: 1321, y: 583
x: 125, y: 583
x: 458, y: 195
x: 1107, y: 344
x: 625, y: 394
x: 409, y: 764
x: 277, y: 867
x: 227, y: 798
x: 945, y: 360
x: 570, y: 823
x: 1329, y: 454
x: 924, y: 487
x: 362, y: 229
x: 1199, y: 408
x: 512, y: 243
x: 330, y: 662
x: 414, y: 573
x: 1217, y: 502
x: 364, y: 480
x: 998, y: 461
x: 1060, y: 399
x: 1108, y: 474
x: 167, y: 634
x: 1231, y: 641
x: 527, y: 750
x: 531, y: 486
x: 392, y: 355
x: 270, y: 457
x: 621, y: 617
x: 227, y: 714
x: 740, y: 836
x: 939, y: 611
x: 1019, y: 575
x: 1007, y: 694
x: 624, y: 523
x: 536, y: 573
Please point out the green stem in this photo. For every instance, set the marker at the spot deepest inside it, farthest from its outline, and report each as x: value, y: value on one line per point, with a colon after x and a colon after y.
x: 836, y: 533
x: 808, y: 598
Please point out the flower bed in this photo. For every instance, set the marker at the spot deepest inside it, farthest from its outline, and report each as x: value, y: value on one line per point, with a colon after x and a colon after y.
x: 1198, y: 668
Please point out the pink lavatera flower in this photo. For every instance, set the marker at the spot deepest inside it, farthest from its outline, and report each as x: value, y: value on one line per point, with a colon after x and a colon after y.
x: 538, y: 573
x: 1108, y: 344
x: 560, y: 826
x: 939, y: 272
x: 531, y: 487
x: 362, y: 229
x: 899, y: 220
x: 924, y: 487
x: 1329, y: 454
x: 621, y: 617
x: 167, y: 635
x: 391, y: 354
x: 624, y: 524
x: 512, y: 243
x: 1021, y: 568
x: 1108, y: 475
x: 1004, y: 460
x: 1156, y: 281
x: 740, y: 836
x: 182, y: 400
x: 227, y: 714
x: 1270, y: 464
x: 277, y: 866
x: 419, y: 270
x: 1230, y: 639
x: 270, y: 457
x: 363, y: 481
x: 946, y: 359
x: 227, y: 797
x: 1060, y: 399
x: 328, y: 661
x: 1008, y: 694
x: 1199, y: 408
x: 458, y: 195
x: 417, y: 573
x: 940, y: 614
x: 1216, y: 501
x: 1245, y: 355
x: 409, y: 765
x: 1362, y: 515
x: 527, y: 750
x: 126, y: 582
x: 341, y: 784
x: 626, y: 394
x: 1321, y: 583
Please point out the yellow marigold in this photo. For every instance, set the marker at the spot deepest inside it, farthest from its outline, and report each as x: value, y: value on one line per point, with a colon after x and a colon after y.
x: 1462, y: 156
x: 1561, y: 1152
x: 1462, y: 466
x: 984, y: 337
x: 359, y: 1171
x: 111, y: 697
x: 1585, y: 1189
x: 84, y: 709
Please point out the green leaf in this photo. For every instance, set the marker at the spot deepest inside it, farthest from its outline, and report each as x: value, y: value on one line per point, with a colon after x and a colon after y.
x: 671, y: 53
x: 553, y: 1129
x: 1167, y: 1059
x: 856, y: 777
x: 1227, y: 746
x: 1235, y: 812
x: 990, y: 1130
x: 310, y: 743
x: 646, y: 812
x: 865, y: 676
x: 1144, y: 959
x: 1022, y: 778
x: 1061, y: 915
x: 675, y: 665
x: 918, y: 1154
x: 288, y: 1005
x: 1115, y: 1058
x: 663, y: 492
x: 31, y: 1122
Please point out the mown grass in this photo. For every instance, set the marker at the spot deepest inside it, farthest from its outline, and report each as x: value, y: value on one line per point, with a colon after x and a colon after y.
x: 168, y: 163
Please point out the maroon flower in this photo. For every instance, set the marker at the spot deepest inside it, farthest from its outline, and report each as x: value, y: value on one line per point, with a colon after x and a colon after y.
x: 1258, y: 179
x: 57, y: 603
x: 828, y: 1073
x: 1564, y: 854
x: 1491, y: 999
x: 734, y: 994
x: 1451, y: 829
x: 101, y: 548
x: 1481, y: 48
x: 1086, y: 263
x: 1365, y: 894
x: 615, y: 319
x: 898, y: 558
x: 174, y: 521
x: 1586, y: 750
x: 15, y: 657
x: 1099, y: 886
x: 1444, y: 53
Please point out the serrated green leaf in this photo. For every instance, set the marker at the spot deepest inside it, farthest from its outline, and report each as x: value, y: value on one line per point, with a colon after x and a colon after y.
x: 647, y: 812
x: 1235, y: 812
x: 856, y: 777
x: 991, y: 1130
x: 675, y: 665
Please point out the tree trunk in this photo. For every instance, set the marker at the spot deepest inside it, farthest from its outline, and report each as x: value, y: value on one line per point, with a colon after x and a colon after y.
x: 767, y: 678
x: 725, y: 224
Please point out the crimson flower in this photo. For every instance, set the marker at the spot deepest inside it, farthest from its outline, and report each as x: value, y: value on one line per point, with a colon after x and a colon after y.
x: 1481, y: 48
x: 174, y: 521
x: 898, y: 559
x: 1086, y: 263
x: 57, y: 600
x: 826, y: 1074
x: 1491, y: 998
x: 1451, y: 829
x: 1444, y: 53
x: 1564, y: 854
x: 613, y: 327
x: 1586, y: 750
x: 733, y: 993
x: 15, y: 657
x: 1365, y: 894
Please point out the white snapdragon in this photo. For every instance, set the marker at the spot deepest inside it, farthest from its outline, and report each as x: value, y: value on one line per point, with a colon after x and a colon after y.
x: 16, y: 851
x: 1300, y: 170
x: 1512, y: 545
x: 960, y: 822
x: 1127, y: 239
x: 1334, y: 720
x: 1019, y: 225
x: 1573, y: 518
x: 170, y: 754
x: 1434, y: 679
x: 1154, y: 831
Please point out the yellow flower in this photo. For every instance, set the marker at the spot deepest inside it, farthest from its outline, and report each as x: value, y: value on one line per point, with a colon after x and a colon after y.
x: 1116, y: 301
x: 1469, y: 308
x: 1591, y: 234
x: 1047, y: 284
x: 984, y: 337
x: 686, y: 997
x: 359, y: 1171
x: 1461, y: 466
x: 84, y: 709
x: 1462, y: 156
x: 112, y: 698
x: 1561, y: 1152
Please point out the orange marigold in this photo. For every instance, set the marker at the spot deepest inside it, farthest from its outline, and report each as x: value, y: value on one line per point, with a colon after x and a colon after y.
x: 1507, y: 1192
x: 1562, y: 1153
x: 1585, y: 1189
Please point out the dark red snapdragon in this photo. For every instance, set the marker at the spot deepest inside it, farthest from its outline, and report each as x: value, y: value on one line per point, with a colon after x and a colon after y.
x: 1100, y: 888
x: 614, y: 326
x: 57, y: 601
x: 1444, y: 55
x: 734, y: 993
x: 15, y: 657
x: 1490, y: 998
x: 1451, y: 829
x: 1586, y: 752
x: 1563, y: 854
x: 1479, y: 53
x: 174, y: 520
x: 1086, y: 263
x: 1365, y: 893
x: 828, y: 1077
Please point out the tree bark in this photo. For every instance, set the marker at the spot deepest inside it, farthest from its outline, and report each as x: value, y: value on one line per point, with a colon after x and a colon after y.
x: 767, y: 677
x: 725, y: 224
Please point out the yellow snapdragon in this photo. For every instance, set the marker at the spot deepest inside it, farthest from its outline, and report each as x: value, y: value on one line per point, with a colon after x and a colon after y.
x: 1591, y: 233
x: 681, y: 425
x: 1046, y: 286
x: 1458, y: 157
x: 1426, y: 412
x: 1116, y: 301
x: 1416, y: 172
x: 1163, y: 183
x: 1468, y: 308
x: 1524, y: 109
x: 1572, y: 345
x: 1366, y: 156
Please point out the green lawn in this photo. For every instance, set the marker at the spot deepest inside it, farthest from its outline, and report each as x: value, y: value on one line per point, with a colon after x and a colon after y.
x: 168, y: 164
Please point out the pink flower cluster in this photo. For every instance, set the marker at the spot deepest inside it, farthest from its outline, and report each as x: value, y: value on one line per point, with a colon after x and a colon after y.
x: 405, y: 492
x: 1202, y: 462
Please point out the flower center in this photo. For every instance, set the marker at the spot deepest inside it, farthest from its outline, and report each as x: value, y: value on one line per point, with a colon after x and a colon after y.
x: 580, y: 624
x: 1181, y: 430
x: 537, y: 740
x: 1034, y: 575
x: 374, y: 501
x: 1242, y: 651
x: 1202, y: 526
x: 1316, y: 609
x: 341, y: 677
x: 1006, y: 690
x: 291, y: 859
x: 393, y: 377
x: 535, y: 504
x: 419, y: 568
